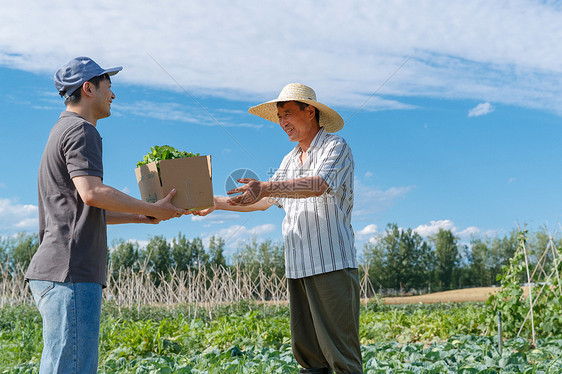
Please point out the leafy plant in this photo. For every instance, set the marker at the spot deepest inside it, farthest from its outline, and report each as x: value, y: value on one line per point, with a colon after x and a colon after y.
x: 515, y: 307
x: 509, y: 299
x: 164, y: 152
x: 252, y: 338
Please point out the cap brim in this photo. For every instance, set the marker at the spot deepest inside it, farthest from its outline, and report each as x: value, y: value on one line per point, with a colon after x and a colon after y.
x: 112, y: 71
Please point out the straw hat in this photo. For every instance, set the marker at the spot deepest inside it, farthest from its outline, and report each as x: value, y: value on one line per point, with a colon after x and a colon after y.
x: 329, y: 118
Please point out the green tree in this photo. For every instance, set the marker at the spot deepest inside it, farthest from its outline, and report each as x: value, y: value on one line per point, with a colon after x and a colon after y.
x: 181, y: 253
x: 418, y: 258
x: 501, y: 250
x: 537, y: 246
x: 25, y: 246
x: 373, y: 256
x: 447, y: 255
x: 479, y: 263
x: 16, y: 252
x: 266, y: 255
x: 3, y: 255
x: 399, y: 259
x: 159, y: 256
x: 188, y: 254
x: 246, y: 255
x: 271, y: 257
x: 462, y: 273
x: 392, y: 257
x: 198, y: 254
x: 216, y: 251
x: 124, y: 255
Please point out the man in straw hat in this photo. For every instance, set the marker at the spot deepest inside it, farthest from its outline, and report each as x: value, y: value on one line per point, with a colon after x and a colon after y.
x: 314, y: 184
x: 67, y: 273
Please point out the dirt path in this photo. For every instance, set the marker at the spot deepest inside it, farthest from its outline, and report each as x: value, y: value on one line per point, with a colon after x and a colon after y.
x: 454, y: 296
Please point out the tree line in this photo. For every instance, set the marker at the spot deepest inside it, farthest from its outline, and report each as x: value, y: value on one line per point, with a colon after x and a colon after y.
x: 159, y: 257
x: 396, y: 259
x: 401, y: 259
x: 181, y: 254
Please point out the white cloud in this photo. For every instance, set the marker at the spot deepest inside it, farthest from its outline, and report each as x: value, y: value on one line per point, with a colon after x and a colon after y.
x: 177, y: 112
x: 235, y: 234
x: 233, y: 111
x: 216, y: 218
x: 142, y: 243
x: 371, y: 200
x: 367, y: 232
x: 27, y: 223
x: 347, y: 51
x: 262, y: 229
x: 434, y: 226
x: 481, y: 109
x: 368, y: 174
x: 468, y: 232
x: 492, y: 233
x: 17, y: 216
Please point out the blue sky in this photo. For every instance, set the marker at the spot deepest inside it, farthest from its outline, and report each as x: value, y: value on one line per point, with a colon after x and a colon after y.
x: 452, y: 109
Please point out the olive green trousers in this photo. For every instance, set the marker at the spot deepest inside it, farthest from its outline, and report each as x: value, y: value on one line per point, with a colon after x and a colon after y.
x: 325, y: 321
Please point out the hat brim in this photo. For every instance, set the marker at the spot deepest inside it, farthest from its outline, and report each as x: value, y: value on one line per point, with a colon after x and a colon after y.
x: 329, y: 118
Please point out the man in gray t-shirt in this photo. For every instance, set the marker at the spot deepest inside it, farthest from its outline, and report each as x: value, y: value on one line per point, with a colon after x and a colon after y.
x: 68, y: 271
x: 72, y: 233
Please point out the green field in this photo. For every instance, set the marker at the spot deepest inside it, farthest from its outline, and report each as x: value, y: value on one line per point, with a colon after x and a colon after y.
x: 254, y: 338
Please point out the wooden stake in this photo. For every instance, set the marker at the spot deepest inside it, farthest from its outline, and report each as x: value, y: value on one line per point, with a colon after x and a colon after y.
x: 500, y: 341
x: 530, y: 294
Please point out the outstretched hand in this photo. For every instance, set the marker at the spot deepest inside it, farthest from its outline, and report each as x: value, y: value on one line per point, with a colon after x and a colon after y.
x: 204, y: 212
x: 252, y: 192
x: 166, y: 209
x: 149, y: 220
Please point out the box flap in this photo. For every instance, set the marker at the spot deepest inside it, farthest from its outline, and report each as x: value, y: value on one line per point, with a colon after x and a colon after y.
x: 191, y: 177
x: 149, y: 182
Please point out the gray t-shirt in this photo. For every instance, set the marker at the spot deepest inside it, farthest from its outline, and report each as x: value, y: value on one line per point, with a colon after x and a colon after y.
x: 72, y: 235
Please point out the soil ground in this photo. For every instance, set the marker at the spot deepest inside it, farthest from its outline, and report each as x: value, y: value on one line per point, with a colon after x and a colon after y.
x: 453, y: 296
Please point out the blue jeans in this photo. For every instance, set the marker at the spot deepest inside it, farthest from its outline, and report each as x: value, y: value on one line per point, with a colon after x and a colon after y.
x: 71, y: 315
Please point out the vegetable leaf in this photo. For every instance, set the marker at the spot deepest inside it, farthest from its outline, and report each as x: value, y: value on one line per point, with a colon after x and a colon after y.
x: 164, y: 152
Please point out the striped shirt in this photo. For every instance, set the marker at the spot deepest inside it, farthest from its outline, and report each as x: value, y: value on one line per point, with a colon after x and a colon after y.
x: 317, y: 230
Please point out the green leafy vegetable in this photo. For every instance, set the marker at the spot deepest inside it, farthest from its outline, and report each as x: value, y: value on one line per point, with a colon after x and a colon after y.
x: 164, y: 152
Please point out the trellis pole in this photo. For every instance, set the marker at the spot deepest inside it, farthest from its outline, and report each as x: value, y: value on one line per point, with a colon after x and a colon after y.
x: 530, y: 293
x: 556, y: 259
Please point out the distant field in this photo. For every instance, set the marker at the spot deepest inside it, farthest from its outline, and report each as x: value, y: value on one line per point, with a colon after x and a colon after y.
x: 453, y: 296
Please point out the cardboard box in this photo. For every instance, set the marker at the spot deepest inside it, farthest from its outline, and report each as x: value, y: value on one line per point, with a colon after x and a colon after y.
x: 190, y: 176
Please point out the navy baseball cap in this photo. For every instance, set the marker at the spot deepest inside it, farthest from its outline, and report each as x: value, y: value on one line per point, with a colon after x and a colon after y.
x: 71, y: 76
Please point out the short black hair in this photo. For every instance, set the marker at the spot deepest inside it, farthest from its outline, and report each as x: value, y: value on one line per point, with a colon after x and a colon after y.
x: 75, y: 97
x: 302, y: 106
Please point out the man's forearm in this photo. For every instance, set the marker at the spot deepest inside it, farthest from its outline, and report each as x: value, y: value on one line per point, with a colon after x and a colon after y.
x: 296, y: 188
x: 115, y: 218
x: 94, y: 193
x: 221, y: 203
x: 111, y: 199
x: 255, y: 192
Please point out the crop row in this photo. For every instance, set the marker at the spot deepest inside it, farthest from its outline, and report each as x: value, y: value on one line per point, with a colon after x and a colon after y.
x: 252, y: 338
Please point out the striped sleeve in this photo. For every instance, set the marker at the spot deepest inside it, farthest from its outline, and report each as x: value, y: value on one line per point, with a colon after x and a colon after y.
x: 280, y: 174
x: 336, y: 164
